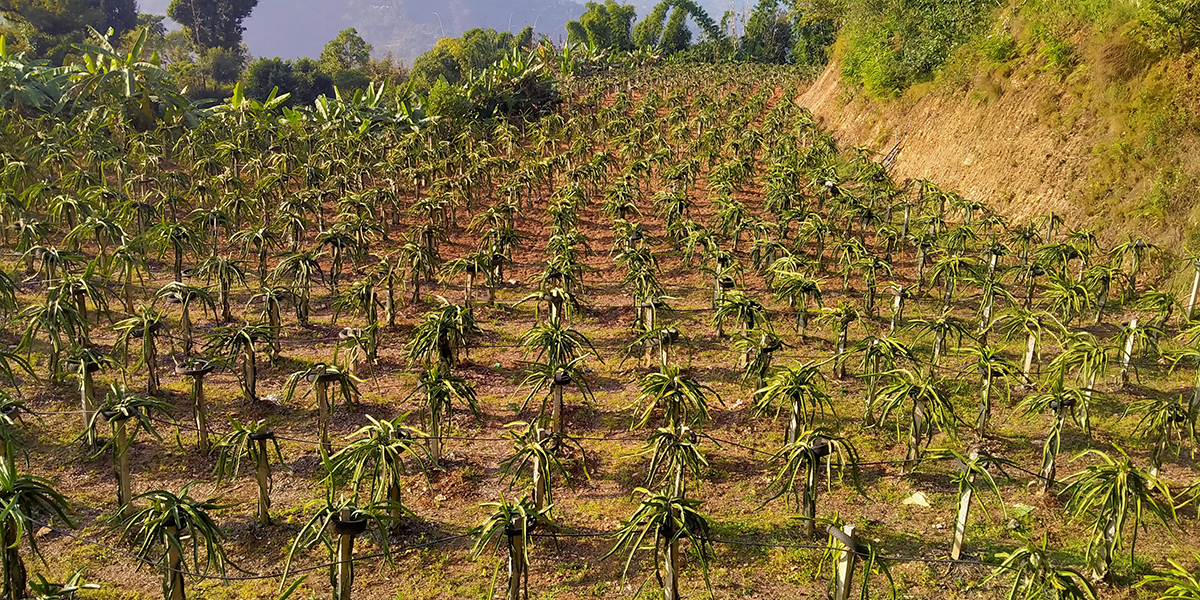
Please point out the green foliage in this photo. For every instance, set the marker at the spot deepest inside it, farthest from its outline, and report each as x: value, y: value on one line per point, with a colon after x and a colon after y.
x: 1182, y: 583
x: 345, y: 51
x: 453, y: 59
x: 660, y: 521
x: 1170, y: 24
x: 1035, y: 576
x: 892, y: 44
x: 608, y: 25
x: 376, y: 456
x: 212, y: 23
x: 1111, y: 495
x: 171, y: 519
x: 768, y: 34
x: 448, y: 101
x: 682, y: 398
x: 51, y: 28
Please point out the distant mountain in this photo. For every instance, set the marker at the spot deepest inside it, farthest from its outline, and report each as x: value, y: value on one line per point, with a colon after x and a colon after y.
x: 407, y: 28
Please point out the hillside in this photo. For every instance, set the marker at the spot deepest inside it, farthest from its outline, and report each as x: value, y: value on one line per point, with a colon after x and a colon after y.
x: 1104, y: 136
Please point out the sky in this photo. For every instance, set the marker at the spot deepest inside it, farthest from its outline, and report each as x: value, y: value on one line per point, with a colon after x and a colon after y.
x: 293, y: 28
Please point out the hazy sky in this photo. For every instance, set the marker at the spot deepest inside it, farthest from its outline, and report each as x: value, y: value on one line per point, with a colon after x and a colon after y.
x: 291, y: 28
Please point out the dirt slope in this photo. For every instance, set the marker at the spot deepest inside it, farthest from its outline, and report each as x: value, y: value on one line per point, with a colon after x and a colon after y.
x: 1007, y: 147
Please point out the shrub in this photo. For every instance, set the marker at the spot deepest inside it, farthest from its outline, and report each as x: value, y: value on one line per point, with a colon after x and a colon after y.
x: 893, y: 44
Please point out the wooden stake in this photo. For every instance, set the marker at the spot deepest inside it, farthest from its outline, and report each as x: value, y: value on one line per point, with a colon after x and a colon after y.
x: 264, y: 483
x: 540, y: 485
x: 174, y: 564
x: 200, y: 411
x: 844, y: 540
x: 1191, y: 308
x: 516, y: 559
x: 322, y: 390
x: 87, y: 393
x: 964, y: 509
x: 556, y: 409
x: 1127, y: 351
x: 345, y: 557
x: 123, y: 488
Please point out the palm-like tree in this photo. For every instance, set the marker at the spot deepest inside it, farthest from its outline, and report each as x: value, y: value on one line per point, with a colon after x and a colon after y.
x: 376, y: 456
x: 802, y: 457
x: 418, y: 260
x: 24, y: 498
x: 555, y: 344
x: 168, y: 521
x: 663, y: 520
x: 931, y: 408
x: 1083, y: 355
x: 439, y: 390
x: 798, y: 290
x: 1134, y: 251
x: 973, y: 477
x: 1033, y: 324
x: 993, y: 367
x: 1063, y: 402
x: 743, y: 310
x: 539, y: 451
x: 1099, y: 279
x: 950, y: 270
x: 144, y: 326
x: 942, y: 327
x: 227, y: 273
x: 58, y: 318
x: 799, y: 390
x: 509, y: 524
x: 1069, y: 298
x: 682, y: 398
x: 242, y: 342
x: 301, y: 270
x: 840, y: 316
x: 121, y: 406
x: 1162, y: 419
x: 129, y: 262
x: 441, y: 335
x: 1112, y: 494
x: 179, y: 238
x: 249, y: 441
x: 1036, y: 576
x: 321, y: 376
x: 186, y: 296
x: 334, y: 526
x: 258, y: 242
